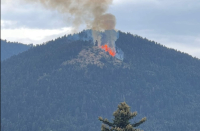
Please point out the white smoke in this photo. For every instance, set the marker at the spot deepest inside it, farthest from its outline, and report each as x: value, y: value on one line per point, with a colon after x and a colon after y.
x: 100, y: 38
x: 119, y: 54
x: 108, y: 37
x: 93, y: 13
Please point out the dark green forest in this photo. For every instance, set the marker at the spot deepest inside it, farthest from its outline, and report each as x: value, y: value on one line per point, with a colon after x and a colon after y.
x: 9, y: 49
x: 66, y: 85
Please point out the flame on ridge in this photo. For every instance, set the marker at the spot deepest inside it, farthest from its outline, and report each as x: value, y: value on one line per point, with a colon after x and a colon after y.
x: 108, y: 49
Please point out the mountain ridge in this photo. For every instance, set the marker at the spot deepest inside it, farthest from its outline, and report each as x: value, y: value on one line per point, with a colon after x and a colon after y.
x: 9, y: 49
x: 57, y: 86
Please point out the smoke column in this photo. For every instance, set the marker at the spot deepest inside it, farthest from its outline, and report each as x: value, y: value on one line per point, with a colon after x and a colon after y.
x: 89, y: 12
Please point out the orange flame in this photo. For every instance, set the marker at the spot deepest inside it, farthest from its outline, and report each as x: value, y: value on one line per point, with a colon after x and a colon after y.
x: 108, y: 49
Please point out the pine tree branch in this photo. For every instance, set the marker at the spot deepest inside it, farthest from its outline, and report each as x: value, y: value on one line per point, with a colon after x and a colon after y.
x: 105, y: 121
x: 140, y: 122
x: 104, y: 128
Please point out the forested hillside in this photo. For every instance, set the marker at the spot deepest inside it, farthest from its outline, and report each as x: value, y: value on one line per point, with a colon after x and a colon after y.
x: 9, y: 49
x: 66, y: 85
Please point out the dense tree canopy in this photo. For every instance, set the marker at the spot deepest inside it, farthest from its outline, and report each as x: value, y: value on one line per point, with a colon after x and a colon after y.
x: 65, y: 85
x: 9, y: 49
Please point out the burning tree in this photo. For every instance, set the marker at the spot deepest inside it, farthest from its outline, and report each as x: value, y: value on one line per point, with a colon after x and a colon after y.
x: 121, y: 121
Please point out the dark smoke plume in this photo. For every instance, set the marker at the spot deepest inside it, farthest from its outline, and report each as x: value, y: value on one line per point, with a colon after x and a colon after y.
x: 89, y: 12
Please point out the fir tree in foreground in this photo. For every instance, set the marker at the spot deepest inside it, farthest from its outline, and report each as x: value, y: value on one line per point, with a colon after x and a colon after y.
x: 121, y: 120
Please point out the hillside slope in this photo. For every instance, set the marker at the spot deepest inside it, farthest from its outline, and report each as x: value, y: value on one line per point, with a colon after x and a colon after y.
x: 65, y: 86
x: 9, y: 49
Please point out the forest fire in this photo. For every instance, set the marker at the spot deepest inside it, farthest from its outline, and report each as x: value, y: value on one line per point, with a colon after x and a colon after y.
x: 108, y: 49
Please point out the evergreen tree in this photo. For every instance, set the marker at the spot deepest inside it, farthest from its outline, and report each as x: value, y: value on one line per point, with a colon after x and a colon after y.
x: 121, y: 120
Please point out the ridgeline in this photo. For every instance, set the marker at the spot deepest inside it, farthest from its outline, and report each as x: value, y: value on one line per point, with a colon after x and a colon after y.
x: 66, y: 85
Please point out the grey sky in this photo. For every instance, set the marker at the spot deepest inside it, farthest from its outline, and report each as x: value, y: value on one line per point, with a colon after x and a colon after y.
x: 174, y: 23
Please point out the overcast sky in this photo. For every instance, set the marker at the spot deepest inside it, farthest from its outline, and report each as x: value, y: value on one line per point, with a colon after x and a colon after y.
x: 173, y: 23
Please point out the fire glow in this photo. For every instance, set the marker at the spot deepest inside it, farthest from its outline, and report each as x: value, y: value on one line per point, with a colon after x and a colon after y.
x: 108, y: 49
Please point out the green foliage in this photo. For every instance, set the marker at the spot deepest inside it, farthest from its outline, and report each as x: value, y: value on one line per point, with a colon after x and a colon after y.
x: 39, y: 92
x: 122, y: 116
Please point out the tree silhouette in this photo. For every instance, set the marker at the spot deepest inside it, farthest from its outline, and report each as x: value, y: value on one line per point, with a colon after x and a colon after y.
x: 121, y: 120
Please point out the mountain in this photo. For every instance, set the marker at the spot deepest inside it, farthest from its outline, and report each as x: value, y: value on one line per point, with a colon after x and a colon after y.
x: 9, y: 49
x: 64, y: 85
